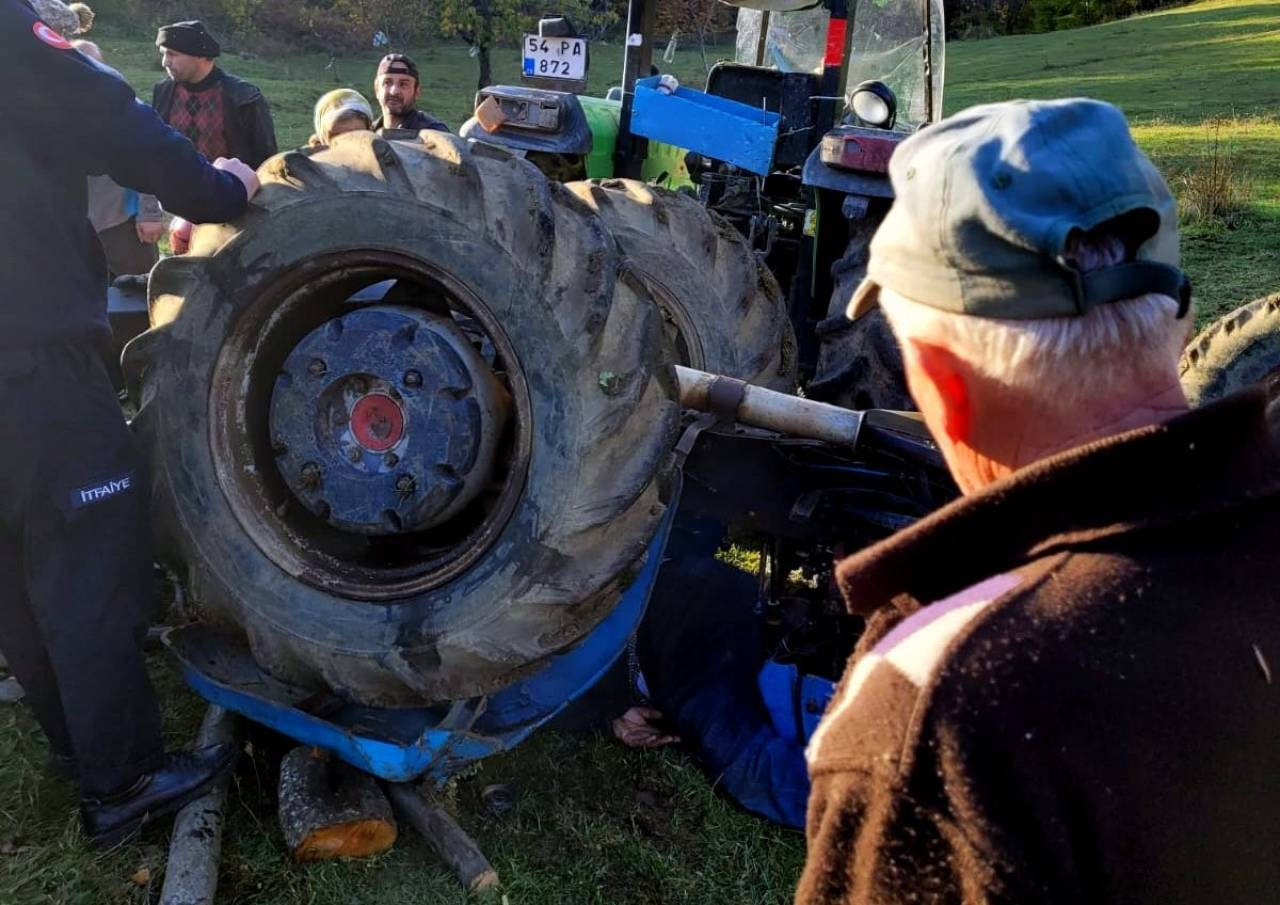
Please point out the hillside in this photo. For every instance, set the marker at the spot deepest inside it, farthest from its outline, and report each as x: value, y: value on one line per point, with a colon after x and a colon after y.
x: 1215, y: 58
x: 1190, y: 78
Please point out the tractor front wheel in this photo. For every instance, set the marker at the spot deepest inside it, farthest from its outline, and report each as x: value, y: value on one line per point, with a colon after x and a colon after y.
x: 1238, y: 350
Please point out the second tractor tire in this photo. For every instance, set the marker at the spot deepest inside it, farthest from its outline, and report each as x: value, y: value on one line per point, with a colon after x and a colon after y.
x: 723, y: 308
x: 1237, y: 350
x: 859, y: 362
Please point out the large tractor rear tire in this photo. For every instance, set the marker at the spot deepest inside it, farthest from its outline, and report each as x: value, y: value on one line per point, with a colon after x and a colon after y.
x: 859, y: 362
x: 1239, y: 349
x: 723, y: 309
x: 422, y: 496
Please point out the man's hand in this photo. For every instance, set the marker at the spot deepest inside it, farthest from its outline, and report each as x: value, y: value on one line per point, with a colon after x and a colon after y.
x: 637, y: 729
x: 242, y: 171
x: 180, y: 228
x: 180, y: 236
x: 150, y: 231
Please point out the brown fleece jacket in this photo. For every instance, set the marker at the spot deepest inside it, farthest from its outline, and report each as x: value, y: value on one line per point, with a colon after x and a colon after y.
x: 1088, y: 710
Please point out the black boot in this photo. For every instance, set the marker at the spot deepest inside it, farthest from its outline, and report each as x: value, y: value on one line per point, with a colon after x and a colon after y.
x: 184, y: 777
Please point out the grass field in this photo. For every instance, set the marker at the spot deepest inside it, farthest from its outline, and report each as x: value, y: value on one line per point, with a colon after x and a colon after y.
x: 1186, y: 78
x: 595, y: 823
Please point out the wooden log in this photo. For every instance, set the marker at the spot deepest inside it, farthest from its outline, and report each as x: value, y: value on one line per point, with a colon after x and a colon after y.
x: 196, y: 845
x: 330, y: 810
x: 449, y: 841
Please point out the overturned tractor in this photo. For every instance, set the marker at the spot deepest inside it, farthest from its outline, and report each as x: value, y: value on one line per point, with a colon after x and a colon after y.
x: 418, y: 437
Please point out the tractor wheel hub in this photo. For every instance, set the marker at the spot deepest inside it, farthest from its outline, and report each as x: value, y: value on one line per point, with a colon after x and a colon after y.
x: 385, y: 420
x: 377, y: 422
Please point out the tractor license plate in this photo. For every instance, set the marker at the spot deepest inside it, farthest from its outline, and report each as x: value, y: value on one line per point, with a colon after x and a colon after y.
x: 555, y: 58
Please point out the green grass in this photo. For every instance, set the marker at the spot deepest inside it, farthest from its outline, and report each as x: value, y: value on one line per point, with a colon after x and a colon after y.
x: 594, y: 824
x: 1183, y: 65
x: 1173, y: 74
x: 597, y: 823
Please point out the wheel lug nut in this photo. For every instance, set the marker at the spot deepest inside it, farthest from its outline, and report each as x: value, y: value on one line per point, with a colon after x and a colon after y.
x: 310, y: 476
x: 405, y: 484
x: 356, y: 454
x: 412, y: 379
x: 391, y: 460
x: 317, y: 367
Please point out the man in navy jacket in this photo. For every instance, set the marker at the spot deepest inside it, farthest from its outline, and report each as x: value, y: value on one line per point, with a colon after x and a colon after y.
x: 75, y: 545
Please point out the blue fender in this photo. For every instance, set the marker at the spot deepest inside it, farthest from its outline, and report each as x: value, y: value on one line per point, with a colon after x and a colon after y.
x: 436, y: 741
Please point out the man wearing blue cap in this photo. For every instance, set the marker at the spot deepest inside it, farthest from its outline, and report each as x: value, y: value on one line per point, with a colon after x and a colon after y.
x: 1068, y: 697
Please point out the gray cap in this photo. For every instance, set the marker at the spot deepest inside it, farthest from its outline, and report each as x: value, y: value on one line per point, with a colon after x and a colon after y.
x: 986, y: 200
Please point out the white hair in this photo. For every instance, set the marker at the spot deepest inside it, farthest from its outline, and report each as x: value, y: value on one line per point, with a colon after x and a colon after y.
x: 1062, y: 361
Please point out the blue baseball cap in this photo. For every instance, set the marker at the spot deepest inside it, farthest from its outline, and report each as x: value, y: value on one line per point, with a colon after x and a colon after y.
x: 987, y: 200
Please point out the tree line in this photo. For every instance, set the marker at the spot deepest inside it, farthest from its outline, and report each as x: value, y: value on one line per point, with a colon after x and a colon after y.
x: 987, y: 18
x: 335, y: 25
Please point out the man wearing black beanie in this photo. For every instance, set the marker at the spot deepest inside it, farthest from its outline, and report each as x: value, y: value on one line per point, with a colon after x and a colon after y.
x: 222, y: 115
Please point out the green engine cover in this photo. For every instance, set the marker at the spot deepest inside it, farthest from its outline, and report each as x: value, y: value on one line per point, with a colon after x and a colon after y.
x: 665, y: 163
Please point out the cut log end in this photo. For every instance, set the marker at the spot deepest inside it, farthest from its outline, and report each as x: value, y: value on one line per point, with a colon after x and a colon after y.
x: 330, y: 810
x: 357, y: 839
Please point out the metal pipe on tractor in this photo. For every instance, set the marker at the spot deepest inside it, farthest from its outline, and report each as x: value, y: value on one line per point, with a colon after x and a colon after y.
x: 769, y: 409
x: 631, y: 149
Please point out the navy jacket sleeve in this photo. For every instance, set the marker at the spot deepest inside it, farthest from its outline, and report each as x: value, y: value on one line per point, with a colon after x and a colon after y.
x: 97, y: 118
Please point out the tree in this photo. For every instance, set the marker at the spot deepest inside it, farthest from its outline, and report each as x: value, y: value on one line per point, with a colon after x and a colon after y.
x: 699, y: 18
x: 484, y: 24
x: 398, y: 22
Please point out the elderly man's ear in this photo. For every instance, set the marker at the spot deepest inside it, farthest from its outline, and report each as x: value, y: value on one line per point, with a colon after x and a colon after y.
x: 940, y: 384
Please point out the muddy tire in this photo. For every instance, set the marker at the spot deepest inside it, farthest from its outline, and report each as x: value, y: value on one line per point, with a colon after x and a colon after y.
x: 723, y: 309
x: 859, y: 362
x: 1239, y: 349
x: 583, y: 455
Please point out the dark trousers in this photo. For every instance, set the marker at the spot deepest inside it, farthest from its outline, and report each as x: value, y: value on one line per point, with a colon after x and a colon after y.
x: 75, y: 563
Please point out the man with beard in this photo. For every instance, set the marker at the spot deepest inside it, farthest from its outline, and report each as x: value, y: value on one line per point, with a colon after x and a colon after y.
x: 222, y: 115
x: 396, y: 87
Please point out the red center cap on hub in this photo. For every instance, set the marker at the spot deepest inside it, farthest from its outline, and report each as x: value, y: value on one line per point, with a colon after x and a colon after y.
x: 377, y: 422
